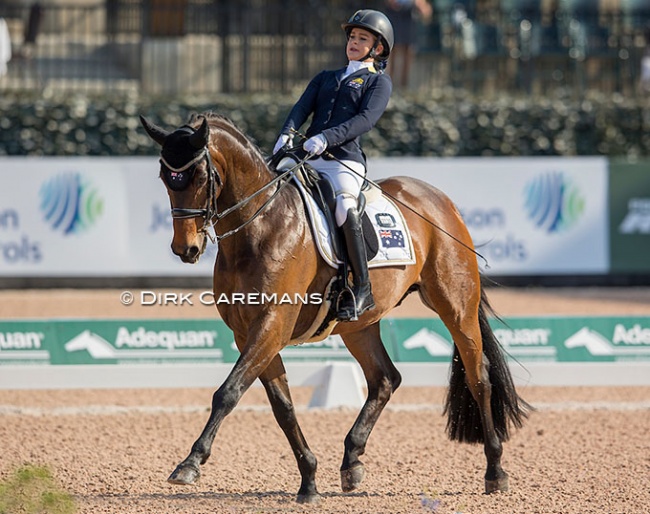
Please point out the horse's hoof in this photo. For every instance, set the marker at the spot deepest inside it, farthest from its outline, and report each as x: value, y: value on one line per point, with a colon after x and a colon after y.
x: 184, y: 474
x: 351, y: 478
x: 311, y: 498
x: 498, y: 485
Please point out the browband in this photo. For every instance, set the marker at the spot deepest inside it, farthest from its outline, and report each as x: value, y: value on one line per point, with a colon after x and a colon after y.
x: 185, y: 166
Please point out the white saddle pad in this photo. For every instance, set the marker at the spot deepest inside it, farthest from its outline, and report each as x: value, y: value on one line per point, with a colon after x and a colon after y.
x: 393, y: 236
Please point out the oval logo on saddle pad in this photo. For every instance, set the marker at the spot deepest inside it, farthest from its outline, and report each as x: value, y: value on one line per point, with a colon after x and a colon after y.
x: 385, y: 220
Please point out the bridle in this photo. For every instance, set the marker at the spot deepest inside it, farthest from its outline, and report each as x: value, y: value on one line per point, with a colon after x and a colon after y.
x: 209, y: 213
x: 214, y: 180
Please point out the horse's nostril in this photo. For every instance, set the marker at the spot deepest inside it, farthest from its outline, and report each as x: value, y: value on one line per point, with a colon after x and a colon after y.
x: 188, y: 253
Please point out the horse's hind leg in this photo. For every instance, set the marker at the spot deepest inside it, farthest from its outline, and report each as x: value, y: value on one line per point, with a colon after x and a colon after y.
x: 275, y: 382
x: 383, y: 379
x: 478, y: 381
x: 460, y: 315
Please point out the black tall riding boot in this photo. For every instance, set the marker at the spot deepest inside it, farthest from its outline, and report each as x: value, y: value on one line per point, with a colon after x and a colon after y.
x: 351, y: 307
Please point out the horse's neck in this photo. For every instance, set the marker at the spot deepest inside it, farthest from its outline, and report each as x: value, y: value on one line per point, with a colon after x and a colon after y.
x: 245, y: 173
x: 245, y: 177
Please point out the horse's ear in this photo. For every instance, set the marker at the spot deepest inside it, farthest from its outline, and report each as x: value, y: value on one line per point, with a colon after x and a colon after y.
x: 201, y: 137
x: 156, y: 133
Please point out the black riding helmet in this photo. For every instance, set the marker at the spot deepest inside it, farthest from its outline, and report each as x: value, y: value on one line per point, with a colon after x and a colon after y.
x: 375, y: 22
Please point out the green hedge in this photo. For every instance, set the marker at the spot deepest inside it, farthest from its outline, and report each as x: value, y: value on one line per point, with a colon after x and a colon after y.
x: 448, y: 125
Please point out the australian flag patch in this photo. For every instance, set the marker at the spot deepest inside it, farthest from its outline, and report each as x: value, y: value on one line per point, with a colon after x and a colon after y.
x: 392, y: 238
x: 356, y: 83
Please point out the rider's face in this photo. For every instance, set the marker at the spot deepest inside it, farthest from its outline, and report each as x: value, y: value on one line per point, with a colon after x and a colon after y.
x: 360, y: 43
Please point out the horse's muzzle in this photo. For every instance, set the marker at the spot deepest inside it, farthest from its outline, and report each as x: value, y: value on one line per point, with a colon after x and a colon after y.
x: 189, y: 254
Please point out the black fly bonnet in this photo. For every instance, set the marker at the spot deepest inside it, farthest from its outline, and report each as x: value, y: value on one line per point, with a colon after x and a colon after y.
x: 181, y: 151
x: 179, y: 158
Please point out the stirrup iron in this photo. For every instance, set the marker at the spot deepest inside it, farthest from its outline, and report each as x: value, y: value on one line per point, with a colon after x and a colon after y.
x: 347, y: 291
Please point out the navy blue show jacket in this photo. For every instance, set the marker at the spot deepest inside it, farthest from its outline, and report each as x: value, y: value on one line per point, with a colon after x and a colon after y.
x: 342, y: 110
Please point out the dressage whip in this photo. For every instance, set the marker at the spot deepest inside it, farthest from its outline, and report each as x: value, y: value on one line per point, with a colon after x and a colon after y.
x: 328, y: 154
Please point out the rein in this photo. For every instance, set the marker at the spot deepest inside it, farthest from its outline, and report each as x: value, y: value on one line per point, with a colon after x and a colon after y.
x: 210, y: 214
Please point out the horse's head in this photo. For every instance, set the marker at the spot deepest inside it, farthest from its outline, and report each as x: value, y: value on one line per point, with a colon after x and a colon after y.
x: 191, y: 180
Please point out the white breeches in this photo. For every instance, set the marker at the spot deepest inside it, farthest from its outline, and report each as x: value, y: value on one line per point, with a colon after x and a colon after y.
x: 347, y: 183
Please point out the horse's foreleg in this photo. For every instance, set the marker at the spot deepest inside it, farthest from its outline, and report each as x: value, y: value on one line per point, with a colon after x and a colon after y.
x: 224, y: 400
x: 383, y: 379
x: 275, y: 382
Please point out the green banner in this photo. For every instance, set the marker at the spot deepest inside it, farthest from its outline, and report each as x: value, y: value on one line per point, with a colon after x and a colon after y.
x: 550, y: 339
x: 115, y: 342
x: 629, y: 200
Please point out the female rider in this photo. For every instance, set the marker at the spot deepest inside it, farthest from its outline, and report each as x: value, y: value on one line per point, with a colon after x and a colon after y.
x: 345, y: 104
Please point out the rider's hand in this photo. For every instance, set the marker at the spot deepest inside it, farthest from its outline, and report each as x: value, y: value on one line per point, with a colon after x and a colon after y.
x: 283, y: 140
x: 315, y: 145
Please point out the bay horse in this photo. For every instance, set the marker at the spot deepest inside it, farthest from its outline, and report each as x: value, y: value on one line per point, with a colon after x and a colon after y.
x: 217, y: 178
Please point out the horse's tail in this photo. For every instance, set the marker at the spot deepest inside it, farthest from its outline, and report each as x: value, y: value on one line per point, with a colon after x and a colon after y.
x: 463, y: 416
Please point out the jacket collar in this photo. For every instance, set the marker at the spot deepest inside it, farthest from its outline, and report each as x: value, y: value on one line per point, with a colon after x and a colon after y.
x: 357, y: 66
